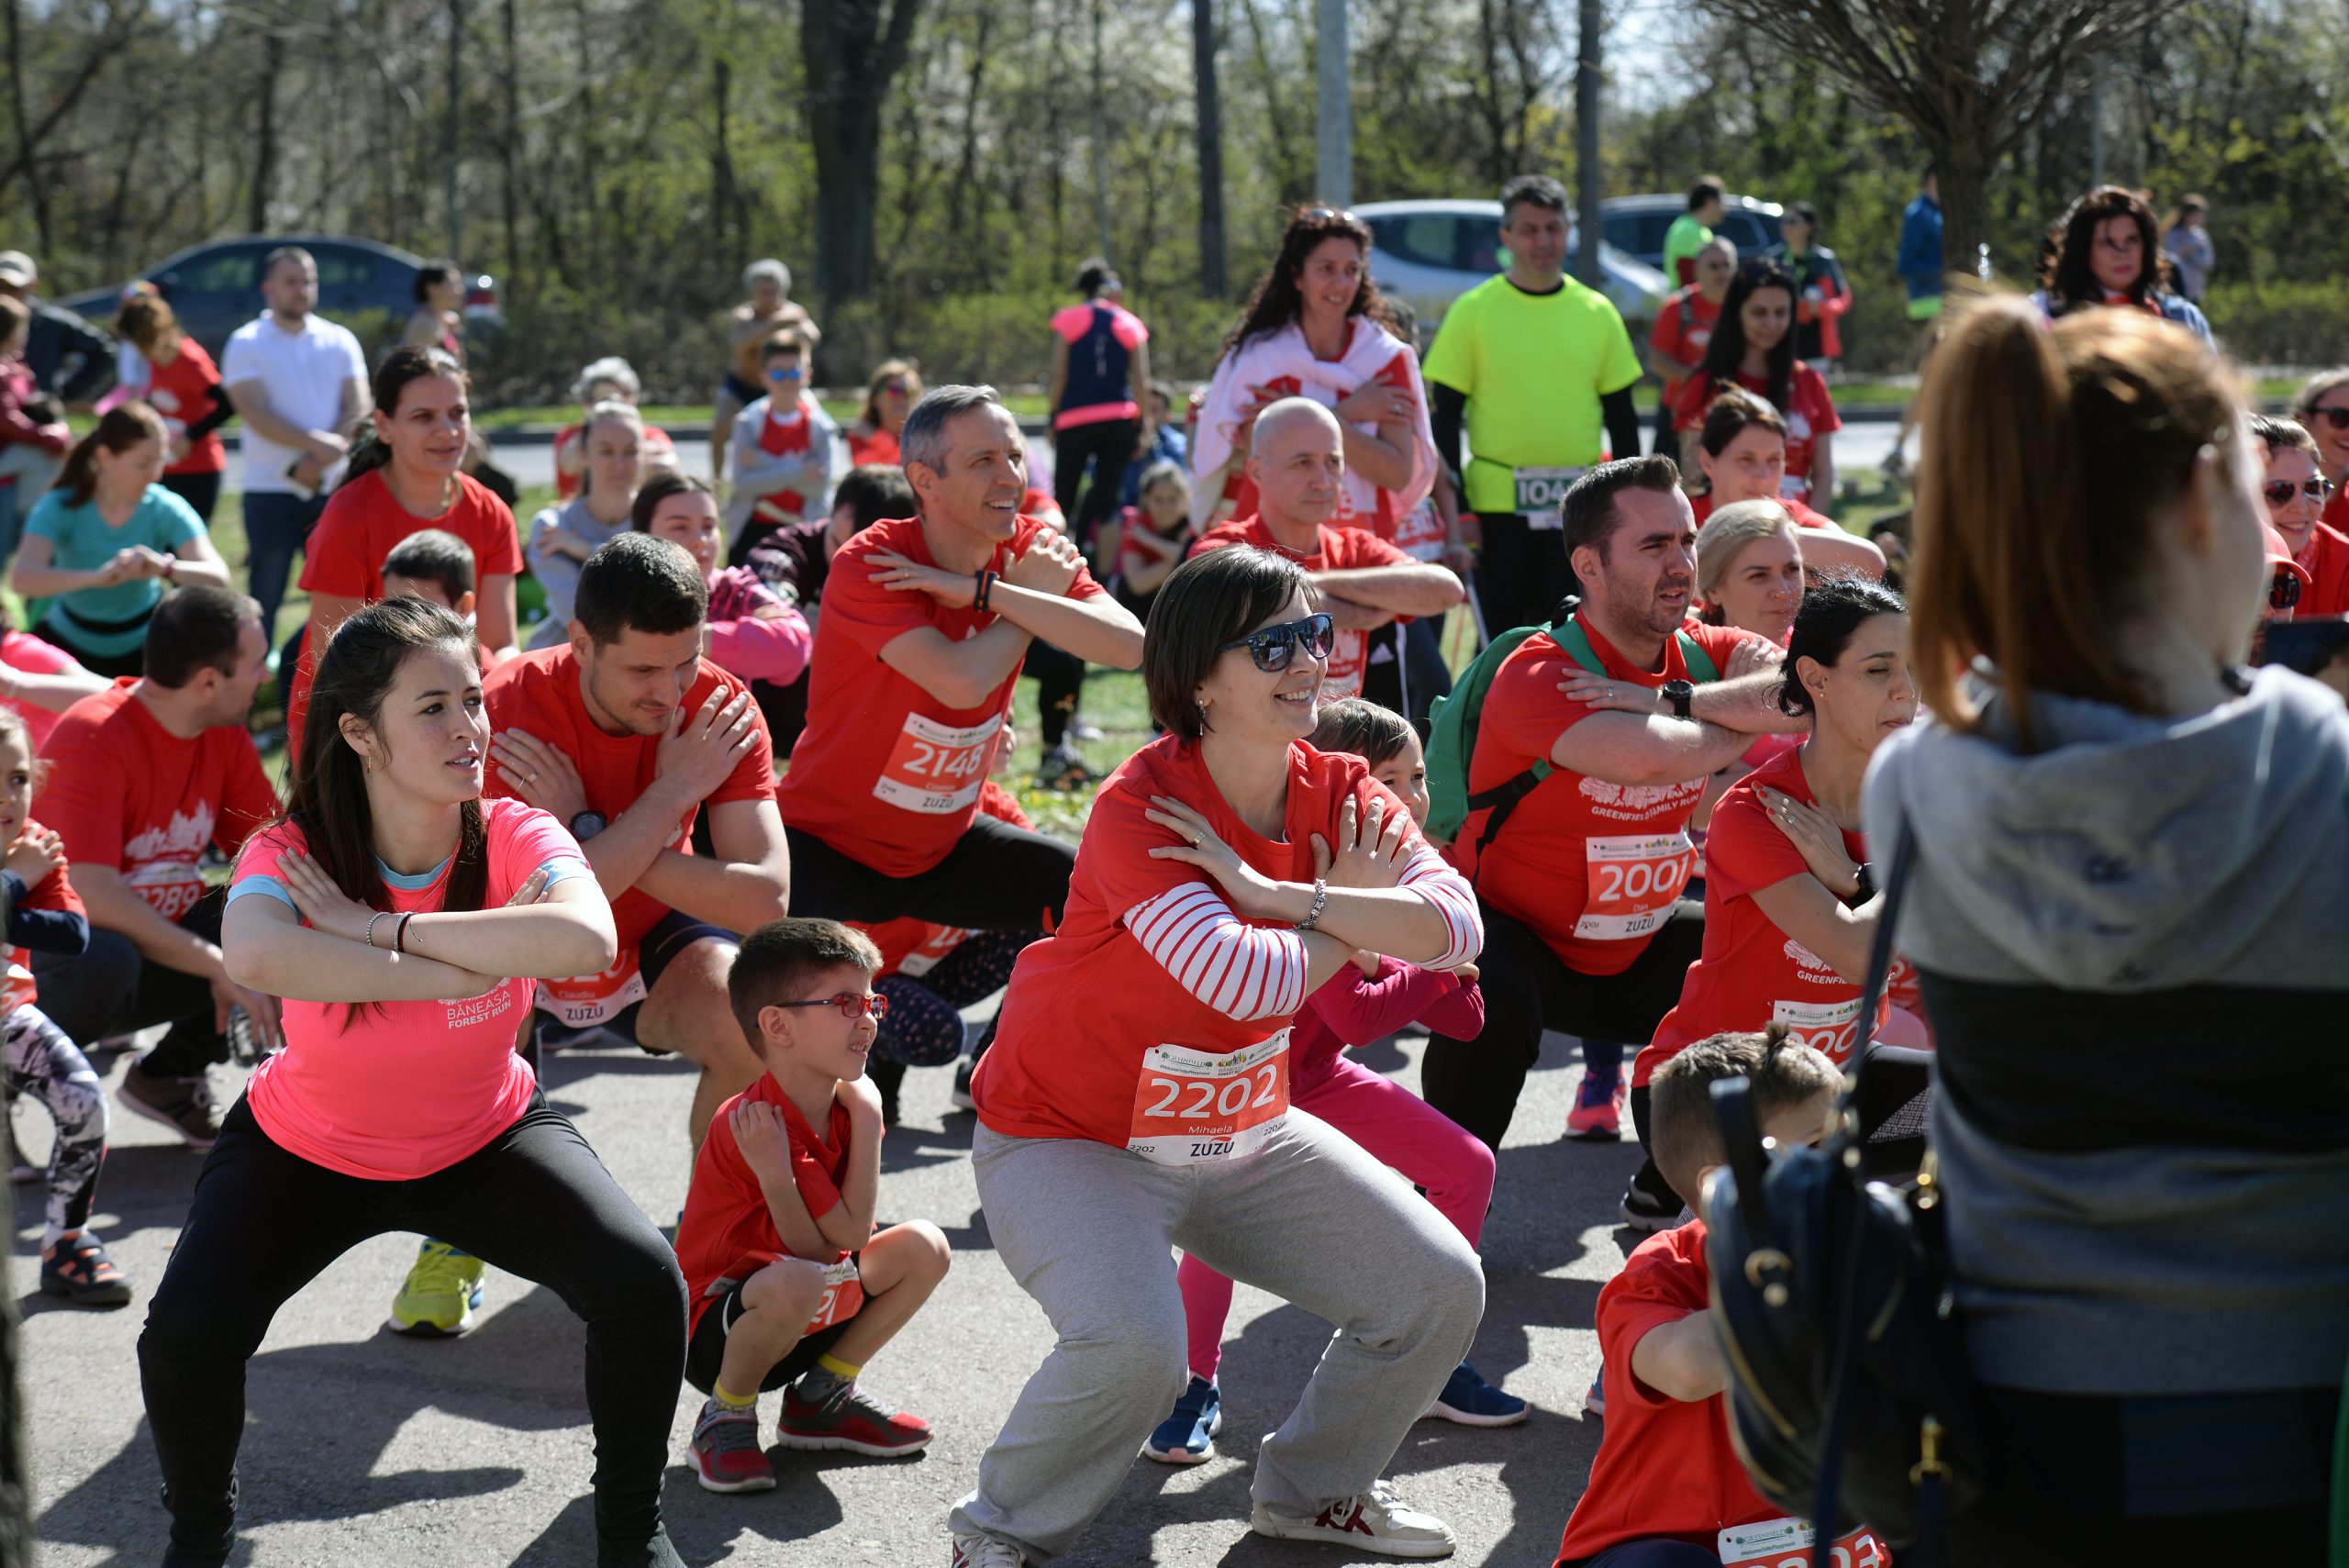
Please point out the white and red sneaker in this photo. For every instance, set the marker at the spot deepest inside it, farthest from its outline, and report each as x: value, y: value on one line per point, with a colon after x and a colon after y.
x: 726, y: 1451
x: 851, y: 1420
x: 1375, y: 1521
x: 985, y: 1552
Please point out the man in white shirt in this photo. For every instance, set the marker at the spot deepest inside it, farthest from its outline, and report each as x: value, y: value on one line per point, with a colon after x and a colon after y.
x: 298, y: 382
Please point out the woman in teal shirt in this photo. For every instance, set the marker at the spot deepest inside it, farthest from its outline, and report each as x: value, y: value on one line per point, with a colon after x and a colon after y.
x: 105, y: 545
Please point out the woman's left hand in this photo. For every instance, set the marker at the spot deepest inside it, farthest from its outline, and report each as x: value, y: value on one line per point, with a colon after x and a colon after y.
x: 324, y: 905
x: 1820, y: 840
x: 1250, y: 891
x: 1605, y: 694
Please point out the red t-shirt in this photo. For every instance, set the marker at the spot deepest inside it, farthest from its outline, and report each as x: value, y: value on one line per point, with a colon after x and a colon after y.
x: 181, y: 393
x: 1752, y: 973
x: 1803, y: 516
x: 1335, y: 549
x: 1809, y: 411
x: 885, y: 773
x: 1633, y: 837
x: 539, y: 691
x: 1088, y: 1003
x: 54, y: 891
x: 1681, y: 333
x: 124, y: 792
x: 913, y: 948
x: 726, y: 1231
x: 880, y: 447
x: 22, y: 650
x: 1665, y: 1466
x: 2327, y: 559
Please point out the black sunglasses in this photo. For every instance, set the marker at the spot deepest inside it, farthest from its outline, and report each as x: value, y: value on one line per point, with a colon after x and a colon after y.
x: 2282, y: 491
x: 2285, y: 591
x: 2333, y: 413
x: 1275, y: 646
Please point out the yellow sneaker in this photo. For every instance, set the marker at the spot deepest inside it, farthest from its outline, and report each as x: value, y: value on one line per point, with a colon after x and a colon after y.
x: 440, y: 1295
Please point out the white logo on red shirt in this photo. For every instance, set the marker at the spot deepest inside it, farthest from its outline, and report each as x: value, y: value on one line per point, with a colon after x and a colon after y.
x: 1638, y: 797
x: 1808, y: 958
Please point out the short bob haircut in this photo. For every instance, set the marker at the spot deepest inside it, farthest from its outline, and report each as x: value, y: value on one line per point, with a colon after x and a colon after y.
x: 1210, y: 600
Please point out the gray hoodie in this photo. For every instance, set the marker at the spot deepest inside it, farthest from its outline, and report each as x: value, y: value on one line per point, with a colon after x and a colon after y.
x: 2138, y: 855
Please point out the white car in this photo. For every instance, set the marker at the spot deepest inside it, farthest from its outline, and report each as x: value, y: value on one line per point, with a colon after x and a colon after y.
x: 1432, y: 252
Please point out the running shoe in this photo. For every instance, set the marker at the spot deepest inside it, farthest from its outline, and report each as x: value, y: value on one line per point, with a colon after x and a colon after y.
x: 183, y: 1105
x: 1595, y: 1402
x: 1375, y: 1521
x: 727, y: 1456
x: 1643, y: 1210
x: 1468, y: 1399
x: 852, y: 1419
x: 1187, y: 1437
x: 1079, y: 729
x: 1061, y: 768
x: 961, y: 1094
x: 441, y: 1294
x: 1598, y: 1116
x: 78, y: 1269
x: 985, y: 1551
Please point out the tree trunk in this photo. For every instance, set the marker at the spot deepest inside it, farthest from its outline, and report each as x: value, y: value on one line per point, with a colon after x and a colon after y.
x: 34, y: 188
x: 1214, y: 280
x: 725, y: 197
x: 849, y: 54
x: 272, y: 60
x: 509, y: 154
x: 1965, y: 178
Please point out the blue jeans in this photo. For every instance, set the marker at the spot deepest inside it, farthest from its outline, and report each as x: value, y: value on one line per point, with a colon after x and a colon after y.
x: 277, y: 523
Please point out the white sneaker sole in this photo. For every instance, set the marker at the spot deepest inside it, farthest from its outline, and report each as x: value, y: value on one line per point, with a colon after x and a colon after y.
x: 762, y: 1484
x: 137, y: 1106
x: 848, y: 1445
x: 1184, y: 1456
x: 1353, y: 1540
x: 1440, y: 1411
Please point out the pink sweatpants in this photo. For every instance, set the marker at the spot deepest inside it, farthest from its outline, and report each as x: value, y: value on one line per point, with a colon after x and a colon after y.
x: 1397, y: 1128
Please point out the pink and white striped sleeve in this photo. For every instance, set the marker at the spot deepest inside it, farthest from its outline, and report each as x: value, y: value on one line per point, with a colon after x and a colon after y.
x: 1242, y: 970
x: 1435, y: 879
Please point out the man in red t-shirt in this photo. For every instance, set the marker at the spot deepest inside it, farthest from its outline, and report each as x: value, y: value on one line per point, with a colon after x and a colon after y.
x: 626, y: 733
x: 1684, y: 326
x: 139, y: 780
x: 1296, y: 460
x: 1580, y: 882
x: 926, y: 622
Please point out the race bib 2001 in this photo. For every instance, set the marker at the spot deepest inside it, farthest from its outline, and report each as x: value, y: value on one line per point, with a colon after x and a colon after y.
x: 1830, y: 1026
x: 936, y: 769
x: 1194, y: 1104
x: 1634, y: 880
x: 1786, y: 1543
x: 1542, y: 491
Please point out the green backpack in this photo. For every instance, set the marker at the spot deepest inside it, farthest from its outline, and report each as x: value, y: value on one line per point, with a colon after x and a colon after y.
x: 1452, y: 732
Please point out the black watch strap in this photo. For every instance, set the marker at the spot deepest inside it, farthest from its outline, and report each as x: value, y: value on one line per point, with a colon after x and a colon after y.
x: 1865, y: 890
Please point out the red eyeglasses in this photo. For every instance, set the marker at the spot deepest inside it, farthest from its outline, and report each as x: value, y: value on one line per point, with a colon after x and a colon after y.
x: 852, y: 1005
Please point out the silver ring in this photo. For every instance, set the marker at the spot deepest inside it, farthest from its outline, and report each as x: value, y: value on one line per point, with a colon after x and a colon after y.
x: 534, y: 778
x: 1197, y: 840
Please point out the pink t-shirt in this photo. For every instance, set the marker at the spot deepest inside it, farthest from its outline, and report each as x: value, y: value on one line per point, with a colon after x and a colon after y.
x: 407, y: 1088
x: 21, y: 651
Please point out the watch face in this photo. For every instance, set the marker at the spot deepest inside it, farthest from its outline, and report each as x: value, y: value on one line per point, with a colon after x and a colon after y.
x: 587, y: 825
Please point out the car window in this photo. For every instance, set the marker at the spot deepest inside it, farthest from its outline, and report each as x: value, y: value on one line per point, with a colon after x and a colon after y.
x: 1480, y: 244
x: 1752, y: 232
x: 232, y: 269
x: 1424, y: 240
x: 1640, y: 233
x: 340, y: 267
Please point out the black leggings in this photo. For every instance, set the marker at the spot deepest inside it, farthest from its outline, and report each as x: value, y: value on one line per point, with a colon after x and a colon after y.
x: 1060, y: 682
x: 1528, y: 988
x: 201, y: 491
x: 110, y: 989
x: 1522, y: 573
x: 536, y: 1202
x: 997, y: 878
x: 1106, y: 447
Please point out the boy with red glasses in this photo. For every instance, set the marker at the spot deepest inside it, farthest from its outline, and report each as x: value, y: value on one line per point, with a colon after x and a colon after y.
x: 790, y: 1286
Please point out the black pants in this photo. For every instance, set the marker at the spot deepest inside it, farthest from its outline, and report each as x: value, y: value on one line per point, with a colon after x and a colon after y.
x: 1106, y: 447
x: 57, y: 630
x: 999, y: 878
x: 1521, y: 574
x: 201, y: 491
x: 1528, y: 988
x: 536, y: 1202
x: 1060, y: 682
x: 111, y: 989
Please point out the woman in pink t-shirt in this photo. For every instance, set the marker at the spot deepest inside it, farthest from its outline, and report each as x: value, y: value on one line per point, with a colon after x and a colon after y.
x: 404, y: 921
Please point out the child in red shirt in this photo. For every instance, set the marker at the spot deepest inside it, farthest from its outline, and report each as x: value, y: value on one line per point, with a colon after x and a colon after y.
x: 1666, y: 1490
x: 787, y: 1276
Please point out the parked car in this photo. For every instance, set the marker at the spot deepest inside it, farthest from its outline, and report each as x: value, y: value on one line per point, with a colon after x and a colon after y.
x: 215, y: 288
x: 1432, y: 252
x: 1635, y: 225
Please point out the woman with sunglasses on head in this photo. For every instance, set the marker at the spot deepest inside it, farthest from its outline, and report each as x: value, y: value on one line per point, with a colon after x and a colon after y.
x: 2297, y: 492
x: 1137, y: 1094
x: 1741, y: 453
x: 2108, y: 251
x: 404, y: 919
x: 891, y: 395
x: 1752, y: 346
x: 2322, y: 409
x: 1315, y: 327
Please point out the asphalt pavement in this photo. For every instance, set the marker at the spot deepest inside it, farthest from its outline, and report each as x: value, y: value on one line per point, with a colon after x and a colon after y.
x: 364, y: 1448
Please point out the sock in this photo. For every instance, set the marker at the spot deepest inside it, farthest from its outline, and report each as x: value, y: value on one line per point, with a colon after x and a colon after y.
x: 826, y: 1377
x: 726, y: 1401
x: 1604, y: 1060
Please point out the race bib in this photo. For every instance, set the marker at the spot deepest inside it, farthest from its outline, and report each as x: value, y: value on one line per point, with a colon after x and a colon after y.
x: 1540, y: 492
x: 1830, y: 1026
x: 1786, y: 1543
x: 843, y: 1297
x: 1193, y: 1105
x: 935, y: 769
x: 589, y: 999
x: 1634, y: 880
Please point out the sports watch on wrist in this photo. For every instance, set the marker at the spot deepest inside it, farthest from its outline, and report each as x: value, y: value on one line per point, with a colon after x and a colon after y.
x: 587, y: 824
x: 1680, y: 695
x: 1864, y: 888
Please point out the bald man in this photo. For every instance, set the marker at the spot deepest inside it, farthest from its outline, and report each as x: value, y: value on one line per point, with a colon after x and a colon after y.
x: 1298, y: 462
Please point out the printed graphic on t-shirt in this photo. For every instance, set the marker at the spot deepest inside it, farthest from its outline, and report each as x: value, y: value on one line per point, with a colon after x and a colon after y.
x: 160, y: 863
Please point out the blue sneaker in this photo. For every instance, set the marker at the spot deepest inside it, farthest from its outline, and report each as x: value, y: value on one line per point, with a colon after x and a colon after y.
x: 1468, y: 1399
x: 1187, y: 1437
x: 1595, y: 1402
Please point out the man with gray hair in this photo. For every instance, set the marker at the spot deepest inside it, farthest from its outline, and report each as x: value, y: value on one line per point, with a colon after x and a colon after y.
x: 926, y: 621
x: 769, y: 310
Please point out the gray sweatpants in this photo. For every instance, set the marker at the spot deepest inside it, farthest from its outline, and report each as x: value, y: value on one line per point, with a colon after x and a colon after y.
x: 1087, y: 1230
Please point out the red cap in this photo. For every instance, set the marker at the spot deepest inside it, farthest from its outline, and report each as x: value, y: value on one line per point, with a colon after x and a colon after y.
x: 2280, y: 554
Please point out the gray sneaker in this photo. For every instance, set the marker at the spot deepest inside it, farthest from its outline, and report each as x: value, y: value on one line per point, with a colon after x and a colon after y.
x: 183, y: 1105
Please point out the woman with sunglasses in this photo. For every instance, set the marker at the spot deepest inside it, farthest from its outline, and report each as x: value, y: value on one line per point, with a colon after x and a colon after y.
x: 1136, y: 1098
x: 404, y: 920
x: 2322, y: 409
x: 2297, y: 491
x: 889, y: 397
x: 1315, y: 327
x: 1752, y: 346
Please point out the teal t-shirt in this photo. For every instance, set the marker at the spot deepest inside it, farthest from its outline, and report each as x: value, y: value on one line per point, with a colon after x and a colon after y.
x: 81, y: 541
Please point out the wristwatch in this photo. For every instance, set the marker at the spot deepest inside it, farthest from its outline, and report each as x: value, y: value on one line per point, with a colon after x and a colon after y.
x: 1679, y: 693
x: 1865, y: 891
x: 587, y: 825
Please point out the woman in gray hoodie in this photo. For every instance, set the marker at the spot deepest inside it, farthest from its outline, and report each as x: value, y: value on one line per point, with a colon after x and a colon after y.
x: 2129, y: 909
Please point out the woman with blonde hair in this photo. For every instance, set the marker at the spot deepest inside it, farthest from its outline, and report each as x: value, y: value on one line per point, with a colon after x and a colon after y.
x: 1750, y: 569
